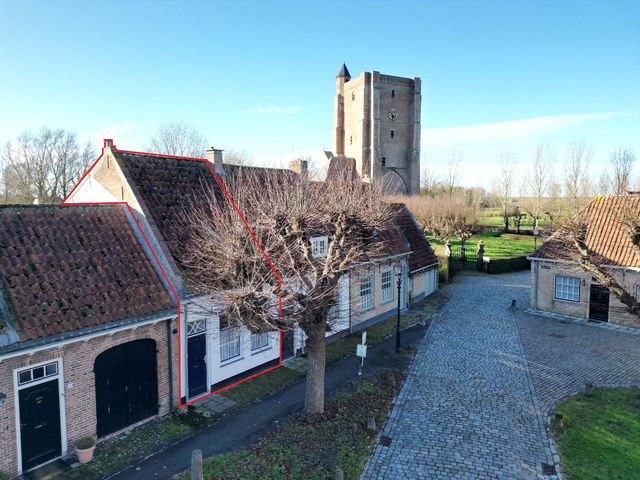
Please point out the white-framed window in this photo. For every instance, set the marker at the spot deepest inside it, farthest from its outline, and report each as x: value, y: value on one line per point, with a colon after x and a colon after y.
x: 259, y: 340
x: 567, y: 288
x: 37, y: 373
x: 319, y: 246
x: 637, y: 292
x: 229, y: 340
x: 366, y: 291
x: 386, y: 286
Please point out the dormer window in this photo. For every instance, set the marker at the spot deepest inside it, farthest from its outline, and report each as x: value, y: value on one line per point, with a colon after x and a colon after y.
x: 319, y: 247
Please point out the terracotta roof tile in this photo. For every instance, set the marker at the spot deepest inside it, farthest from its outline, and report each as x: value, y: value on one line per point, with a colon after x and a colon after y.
x: 94, y: 270
x: 606, y: 236
x: 423, y: 255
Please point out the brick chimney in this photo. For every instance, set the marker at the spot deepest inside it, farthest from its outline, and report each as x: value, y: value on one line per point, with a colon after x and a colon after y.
x: 301, y: 167
x: 215, y: 156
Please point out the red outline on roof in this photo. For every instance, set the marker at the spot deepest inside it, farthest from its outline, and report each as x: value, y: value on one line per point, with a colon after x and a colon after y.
x: 155, y: 258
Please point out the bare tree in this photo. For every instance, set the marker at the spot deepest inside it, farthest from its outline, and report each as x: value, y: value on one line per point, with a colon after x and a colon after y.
x: 621, y: 162
x: 428, y: 182
x: 577, y: 229
x: 179, y: 138
x: 503, y: 186
x: 284, y: 212
x: 453, y: 172
x: 576, y: 174
x: 44, y: 166
x: 539, y: 180
x: 237, y: 157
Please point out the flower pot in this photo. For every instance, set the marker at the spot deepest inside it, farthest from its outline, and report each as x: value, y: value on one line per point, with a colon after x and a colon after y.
x: 85, y: 455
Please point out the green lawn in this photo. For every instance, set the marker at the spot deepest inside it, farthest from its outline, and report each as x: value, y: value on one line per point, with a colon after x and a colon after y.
x: 311, y: 449
x: 600, y: 436
x: 496, y: 244
x: 492, y: 217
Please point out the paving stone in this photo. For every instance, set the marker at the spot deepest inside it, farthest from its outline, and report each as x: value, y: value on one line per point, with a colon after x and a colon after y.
x: 214, y: 404
x: 475, y: 403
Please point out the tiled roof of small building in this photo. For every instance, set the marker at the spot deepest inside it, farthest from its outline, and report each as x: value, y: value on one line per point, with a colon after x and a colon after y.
x: 422, y: 253
x: 65, y: 268
x: 606, y: 237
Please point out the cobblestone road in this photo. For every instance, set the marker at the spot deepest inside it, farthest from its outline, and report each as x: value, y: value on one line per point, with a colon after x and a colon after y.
x: 468, y: 409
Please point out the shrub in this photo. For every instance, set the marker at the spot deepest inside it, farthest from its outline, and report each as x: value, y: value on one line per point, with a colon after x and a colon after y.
x: 86, y: 442
x: 4, y: 476
x: 512, y: 264
x: 443, y: 270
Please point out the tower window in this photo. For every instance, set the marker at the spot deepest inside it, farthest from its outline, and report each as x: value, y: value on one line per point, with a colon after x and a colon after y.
x: 391, y: 133
x: 384, y: 161
x: 353, y: 96
x: 393, y: 94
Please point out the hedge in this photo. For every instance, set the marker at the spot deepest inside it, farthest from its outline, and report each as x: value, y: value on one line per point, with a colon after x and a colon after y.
x: 443, y: 270
x: 512, y: 264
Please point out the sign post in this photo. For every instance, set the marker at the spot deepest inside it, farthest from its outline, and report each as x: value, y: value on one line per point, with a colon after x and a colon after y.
x: 361, y: 351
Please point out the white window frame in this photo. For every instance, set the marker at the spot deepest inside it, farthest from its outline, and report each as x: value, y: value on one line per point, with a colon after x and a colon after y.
x: 367, y: 301
x: 386, y: 291
x: 562, y: 289
x: 61, y: 402
x: 319, y: 246
x: 229, y: 343
x: 259, y: 340
x: 638, y: 291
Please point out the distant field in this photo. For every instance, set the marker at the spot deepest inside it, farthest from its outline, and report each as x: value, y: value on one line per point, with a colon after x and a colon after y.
x: 496, y: 244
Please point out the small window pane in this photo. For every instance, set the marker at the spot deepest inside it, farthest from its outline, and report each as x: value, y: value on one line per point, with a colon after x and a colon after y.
x: 51, y: 369
x: 24, y: 377
x: 38, y: 373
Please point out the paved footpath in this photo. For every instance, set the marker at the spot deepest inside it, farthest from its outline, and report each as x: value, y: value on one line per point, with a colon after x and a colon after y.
x: 485, y: 378
x: 467, y: 409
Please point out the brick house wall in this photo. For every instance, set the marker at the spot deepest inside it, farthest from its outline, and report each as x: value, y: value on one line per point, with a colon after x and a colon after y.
x: 79, y: 383
x: 543, y: 275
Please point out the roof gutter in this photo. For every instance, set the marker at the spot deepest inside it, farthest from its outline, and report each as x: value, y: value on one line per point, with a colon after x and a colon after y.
x: 33, y: 346
x: 570, y: 262
x: 418, y: 270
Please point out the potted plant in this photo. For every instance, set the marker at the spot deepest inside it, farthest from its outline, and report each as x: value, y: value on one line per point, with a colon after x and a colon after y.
x: 85, y: 448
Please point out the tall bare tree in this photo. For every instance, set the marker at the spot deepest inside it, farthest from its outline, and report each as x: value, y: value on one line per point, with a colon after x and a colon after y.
x: 284, y: 212
x: 237, y: 157
x: 43, y: 166
x: 576, y: 174
x: 453, y: 172
x: 179, y: 138
x: 503, y: 186
x: 538, y: 181
x: 621, y: 162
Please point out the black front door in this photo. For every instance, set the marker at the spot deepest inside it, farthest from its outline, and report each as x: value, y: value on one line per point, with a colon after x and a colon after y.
x: 39, y: 424
x: 126, y: 385
x: 196, y: 360
x: 287, y: 344
x: 599, y: 303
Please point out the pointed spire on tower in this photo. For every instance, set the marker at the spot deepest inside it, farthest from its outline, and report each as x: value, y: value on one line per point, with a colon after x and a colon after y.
x: 344, y: 72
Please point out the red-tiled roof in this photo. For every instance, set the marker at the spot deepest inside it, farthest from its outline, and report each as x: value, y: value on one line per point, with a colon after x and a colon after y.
x: 67, y: 268
x: 606, y: 237
x: 422, y: 253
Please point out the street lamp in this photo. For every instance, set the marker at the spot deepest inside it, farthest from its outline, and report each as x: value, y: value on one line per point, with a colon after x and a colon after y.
x: 398, y: 271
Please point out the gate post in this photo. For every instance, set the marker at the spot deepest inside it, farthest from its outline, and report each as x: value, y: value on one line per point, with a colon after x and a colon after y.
x: 447, y: 252
x: 480, y: 254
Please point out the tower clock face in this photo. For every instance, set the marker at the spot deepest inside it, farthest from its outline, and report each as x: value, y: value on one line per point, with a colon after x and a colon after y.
x: 393, y: 114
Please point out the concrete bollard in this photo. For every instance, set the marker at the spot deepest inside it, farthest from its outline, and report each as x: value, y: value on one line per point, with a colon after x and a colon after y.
x: 339, y: 474
x: 196, y: 465
x: 371, y: 421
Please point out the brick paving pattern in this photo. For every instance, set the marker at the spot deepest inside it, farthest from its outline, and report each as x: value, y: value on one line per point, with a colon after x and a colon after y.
x: 476, y: 401
x: 467, y: 409
x: 563, y: 357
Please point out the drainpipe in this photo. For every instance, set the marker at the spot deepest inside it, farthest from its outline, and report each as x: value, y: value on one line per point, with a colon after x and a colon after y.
x: 170, y: 363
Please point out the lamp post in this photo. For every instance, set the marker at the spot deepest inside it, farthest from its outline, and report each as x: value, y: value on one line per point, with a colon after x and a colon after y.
x: 398, y: 271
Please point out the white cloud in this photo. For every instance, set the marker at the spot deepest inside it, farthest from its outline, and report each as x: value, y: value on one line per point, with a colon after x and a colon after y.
x: 512, y: 131
x: 276, y: 110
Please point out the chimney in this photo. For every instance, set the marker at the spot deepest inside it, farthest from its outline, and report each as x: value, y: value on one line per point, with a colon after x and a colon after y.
x: 108, y: 143
x: 301, y: 167
x: 215, y: 156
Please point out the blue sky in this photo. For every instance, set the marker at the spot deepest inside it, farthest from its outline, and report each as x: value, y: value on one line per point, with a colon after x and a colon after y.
x: 260, y: 76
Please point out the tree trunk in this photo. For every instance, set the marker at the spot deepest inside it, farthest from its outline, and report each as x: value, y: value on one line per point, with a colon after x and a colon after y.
x: 316, y: 359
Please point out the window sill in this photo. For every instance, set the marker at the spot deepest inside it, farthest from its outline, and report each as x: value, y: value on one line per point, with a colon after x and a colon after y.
x: 566, y: 300
x: 382, y: 302
x: 260, y: 350
x: 362, y: 310
x: 229, y: 361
